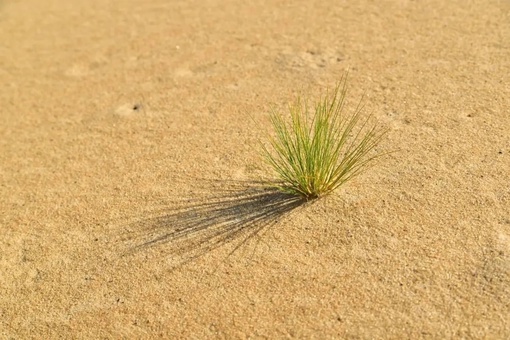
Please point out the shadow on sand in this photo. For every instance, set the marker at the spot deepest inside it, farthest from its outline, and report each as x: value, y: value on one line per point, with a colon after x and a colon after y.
x: 228, y: 213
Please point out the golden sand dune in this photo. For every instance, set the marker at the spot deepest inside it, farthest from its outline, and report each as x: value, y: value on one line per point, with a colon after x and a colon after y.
x: 129, y: 202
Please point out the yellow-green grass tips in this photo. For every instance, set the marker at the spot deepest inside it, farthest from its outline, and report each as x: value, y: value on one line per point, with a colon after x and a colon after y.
x: 316, y: 150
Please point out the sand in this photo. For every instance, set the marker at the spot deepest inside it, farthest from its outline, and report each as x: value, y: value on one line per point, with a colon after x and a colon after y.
x: 129, y: 161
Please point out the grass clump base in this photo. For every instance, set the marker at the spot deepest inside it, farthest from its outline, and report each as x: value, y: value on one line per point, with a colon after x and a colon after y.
x: 315, y: 151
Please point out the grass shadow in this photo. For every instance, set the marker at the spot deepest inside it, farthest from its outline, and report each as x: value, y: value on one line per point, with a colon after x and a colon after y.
x: 230, y: 213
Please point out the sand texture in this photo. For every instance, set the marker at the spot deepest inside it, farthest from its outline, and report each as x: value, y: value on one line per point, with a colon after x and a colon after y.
x: 129, y: 165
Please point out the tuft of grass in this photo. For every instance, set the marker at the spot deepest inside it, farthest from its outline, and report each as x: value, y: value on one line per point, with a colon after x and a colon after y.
x: 314, y: 152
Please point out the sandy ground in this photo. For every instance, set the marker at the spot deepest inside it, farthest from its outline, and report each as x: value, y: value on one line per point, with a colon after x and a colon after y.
x: 129, y: 206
